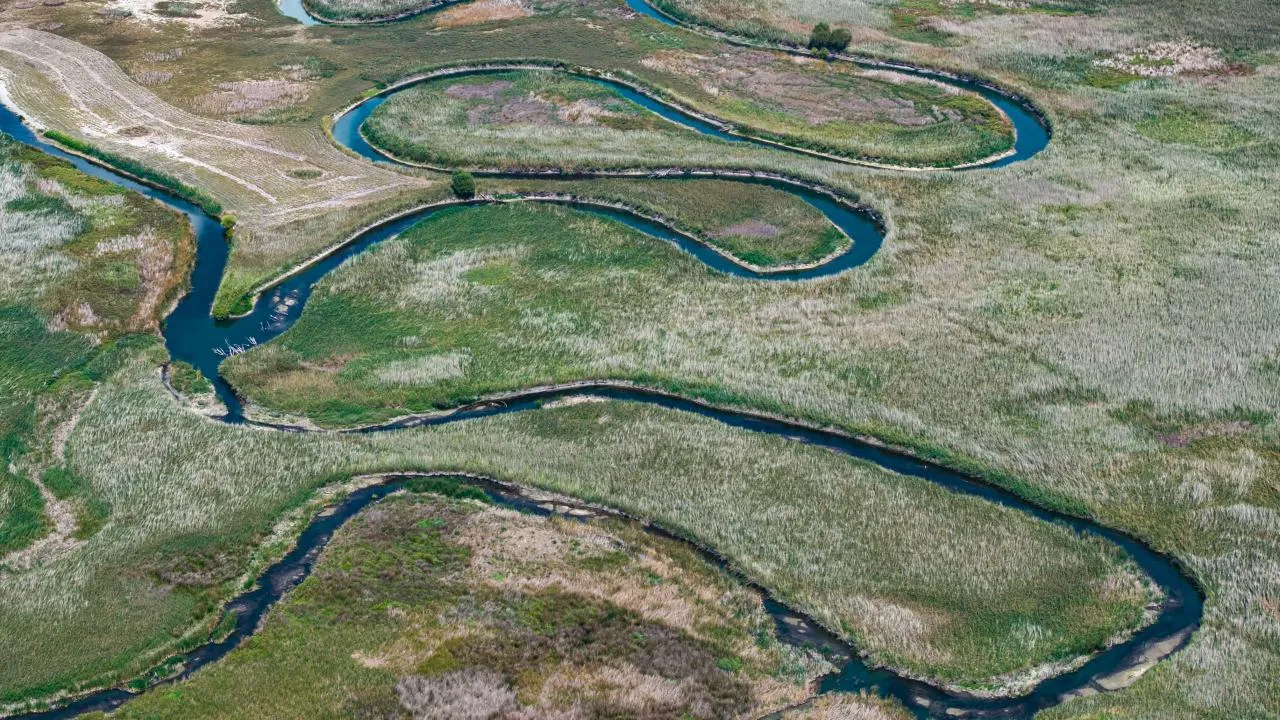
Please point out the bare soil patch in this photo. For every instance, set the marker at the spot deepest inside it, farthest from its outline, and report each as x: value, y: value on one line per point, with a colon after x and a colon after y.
x: 481, y: 12
x: 477, y: 91
x: 1188, y: 435
x: 818, y: 97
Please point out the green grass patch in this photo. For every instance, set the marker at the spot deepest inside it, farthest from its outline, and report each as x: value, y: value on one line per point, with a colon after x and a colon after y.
x: 754, y: 222
x: 187, y: 380
x: 571, y: 282
x: 1185, y: 125
x: 446, y: 487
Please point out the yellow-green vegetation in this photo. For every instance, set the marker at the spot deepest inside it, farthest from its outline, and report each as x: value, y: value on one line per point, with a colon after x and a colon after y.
x: 481, y: 300
x: 789, y: 21
x: 166, y: 101
x: 433, y: 608
x: 879, y: 556
x: 81, y: 263
x: 1094, y: 326
x: 476, y: 301
x: 533, y: 119
x: 754, y: 222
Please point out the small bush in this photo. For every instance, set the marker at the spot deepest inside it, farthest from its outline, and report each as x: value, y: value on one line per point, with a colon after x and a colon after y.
x: 448, y: 487
x: 825, y: 38
x: 730, y: 664
x: 166, y: 8
x: 464, y: 186
x: 187, y: 380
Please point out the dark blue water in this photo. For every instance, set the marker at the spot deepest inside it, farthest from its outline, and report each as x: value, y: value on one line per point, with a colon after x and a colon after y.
x: 192, y: 335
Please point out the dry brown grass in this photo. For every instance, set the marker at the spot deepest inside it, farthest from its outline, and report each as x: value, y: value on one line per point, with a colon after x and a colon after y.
x: 482, y: 11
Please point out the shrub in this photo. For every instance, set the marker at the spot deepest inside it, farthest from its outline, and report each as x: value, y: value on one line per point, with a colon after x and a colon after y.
x: 448, y: 487
x: 464, y: 186
x: 824, y: 38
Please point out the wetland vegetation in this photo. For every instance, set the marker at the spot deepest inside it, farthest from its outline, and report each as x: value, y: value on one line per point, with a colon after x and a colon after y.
x: 1094, y: 328
x: 440, y: 608
x: 538, y: 119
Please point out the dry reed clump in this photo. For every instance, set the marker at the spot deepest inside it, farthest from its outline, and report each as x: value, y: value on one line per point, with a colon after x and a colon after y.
x: 1166, y: 59
x: 661, y: 582
x: 369, y: 9
x: 29, y: 241
x: 470, y: 694
x: 789, y: 20
x: 818, y: 97
x: 205, y: 14
x: 251, y: 96
x: 422, y: 369
x: 847, y: 706
x: 151, y: 78
x: 482, y: 11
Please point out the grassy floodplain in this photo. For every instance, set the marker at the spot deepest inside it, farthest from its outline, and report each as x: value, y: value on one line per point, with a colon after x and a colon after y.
x: 755, y: 223
x: 417, y: 323
x: 915, y: 21
x: 538, y: 119
x: 448, y: 609
x: 367, y: 10
x: 292, y: 194
x: 206, y: 503
x: 84, y: 263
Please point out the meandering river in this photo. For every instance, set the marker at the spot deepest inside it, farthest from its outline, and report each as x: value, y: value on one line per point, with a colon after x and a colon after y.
x: 191, y: 334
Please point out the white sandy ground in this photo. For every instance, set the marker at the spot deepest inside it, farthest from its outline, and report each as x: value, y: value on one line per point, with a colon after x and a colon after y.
x: 212, y: 13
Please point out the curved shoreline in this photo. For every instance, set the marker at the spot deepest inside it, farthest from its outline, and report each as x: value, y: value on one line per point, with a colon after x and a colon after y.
x: 1129, y: 650
x: 648, y: 9
x: 657, y: 102
x: 585, y: 201
x: 989, y: 89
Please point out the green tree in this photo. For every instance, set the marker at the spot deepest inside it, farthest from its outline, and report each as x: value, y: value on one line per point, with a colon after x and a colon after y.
x: 825, y: 38
x: 819, y: 37
x: 464, y: 186
x: 838, y: 40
